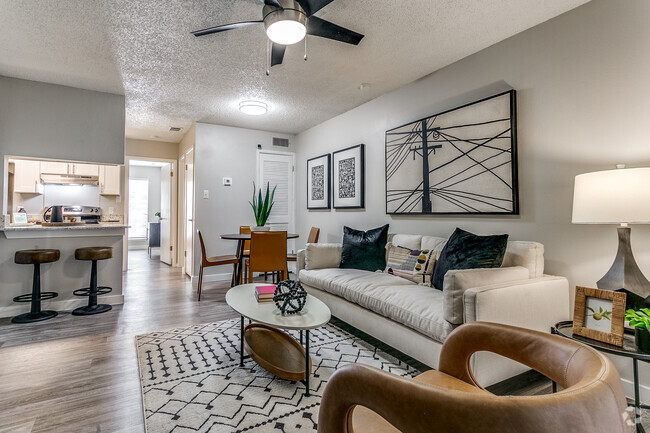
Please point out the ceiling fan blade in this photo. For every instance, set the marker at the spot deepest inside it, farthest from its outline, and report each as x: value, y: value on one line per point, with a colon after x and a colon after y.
x: 277, y: 54
x: 313, y: 6
x: 325, y: 29
x: 272, y: 3
x: 224, y: 28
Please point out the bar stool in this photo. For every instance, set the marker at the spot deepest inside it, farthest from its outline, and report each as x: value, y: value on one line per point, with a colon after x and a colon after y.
x: 94, y: 254
x: 36, y: 257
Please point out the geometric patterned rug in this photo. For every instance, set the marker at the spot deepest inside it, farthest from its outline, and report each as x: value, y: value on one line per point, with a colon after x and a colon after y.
x: 192, y: 382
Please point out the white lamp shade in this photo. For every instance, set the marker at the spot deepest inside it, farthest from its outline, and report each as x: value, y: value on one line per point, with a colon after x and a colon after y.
x: 612, y: 197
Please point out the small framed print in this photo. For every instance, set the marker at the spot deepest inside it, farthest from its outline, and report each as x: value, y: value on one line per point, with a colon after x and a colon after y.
x: 349, y: 178
x: 599, y: 315
x: 318, y: 182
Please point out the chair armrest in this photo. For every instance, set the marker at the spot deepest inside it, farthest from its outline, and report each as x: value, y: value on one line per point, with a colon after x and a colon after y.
x: 322, y: 256
x: 300, y: 261
x: 458, y: 281
x: 408, y: 405
x: 536, y: 303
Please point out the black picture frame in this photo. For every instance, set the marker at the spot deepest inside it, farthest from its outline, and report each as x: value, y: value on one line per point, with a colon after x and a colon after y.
x: 348, y: 177
x: 319, y: 167
x: 471, y: 163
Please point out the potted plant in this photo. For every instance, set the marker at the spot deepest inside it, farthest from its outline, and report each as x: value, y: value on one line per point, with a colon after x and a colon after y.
x: 640, y: 320
x: 262, y: 207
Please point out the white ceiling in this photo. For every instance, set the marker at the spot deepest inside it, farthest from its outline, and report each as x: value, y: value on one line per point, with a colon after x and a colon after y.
x: 144, y: 50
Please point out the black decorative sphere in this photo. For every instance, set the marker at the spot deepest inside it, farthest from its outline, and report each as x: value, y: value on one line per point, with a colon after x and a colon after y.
x: 289, y: 297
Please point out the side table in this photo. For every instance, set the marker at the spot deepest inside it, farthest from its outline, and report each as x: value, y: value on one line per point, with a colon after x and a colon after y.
x: 628, y: 350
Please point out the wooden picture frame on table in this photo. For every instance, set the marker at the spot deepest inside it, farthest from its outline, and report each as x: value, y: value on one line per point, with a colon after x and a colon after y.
x: 348, y: 176
x: 319, y: 182
x: 599, y: 315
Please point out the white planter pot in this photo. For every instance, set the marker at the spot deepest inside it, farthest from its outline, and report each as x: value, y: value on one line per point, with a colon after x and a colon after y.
x: 260, y: 228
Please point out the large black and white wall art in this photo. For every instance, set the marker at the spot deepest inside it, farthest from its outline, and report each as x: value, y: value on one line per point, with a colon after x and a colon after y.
x: 318, y: 182
x: 348, y: 176
x: 461, y: 161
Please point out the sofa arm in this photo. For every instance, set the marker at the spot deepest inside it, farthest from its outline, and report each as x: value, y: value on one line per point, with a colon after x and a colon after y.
x: 300, y: 261
x: 536, y: 303
x: 322, y: 256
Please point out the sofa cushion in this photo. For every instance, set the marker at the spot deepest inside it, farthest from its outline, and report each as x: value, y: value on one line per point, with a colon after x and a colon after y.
x: 415, y: 306
x: 458, y: 281
x: 321, y: 256
x: 465, y: 250
x: 364, y: 250
x: 414, y: 265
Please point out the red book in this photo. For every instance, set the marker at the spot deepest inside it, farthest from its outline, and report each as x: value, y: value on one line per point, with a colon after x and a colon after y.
x: 265, y: 290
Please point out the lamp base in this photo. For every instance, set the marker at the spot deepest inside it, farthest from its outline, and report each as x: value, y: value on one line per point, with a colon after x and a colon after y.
x: 625, y: 273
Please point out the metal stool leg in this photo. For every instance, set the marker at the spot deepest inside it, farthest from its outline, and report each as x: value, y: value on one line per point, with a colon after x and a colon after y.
x: 92, y: 292
x: 35, y: 314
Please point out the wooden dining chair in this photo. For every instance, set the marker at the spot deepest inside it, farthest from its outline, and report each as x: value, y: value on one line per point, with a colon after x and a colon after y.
x: 311, y: 239
x: 206, y: 262
x: 268, y: 254
x: 245, y: 230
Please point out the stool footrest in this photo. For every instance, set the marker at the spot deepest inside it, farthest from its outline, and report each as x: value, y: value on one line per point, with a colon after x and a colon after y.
x: 101, y: 290
x: 43, y: 296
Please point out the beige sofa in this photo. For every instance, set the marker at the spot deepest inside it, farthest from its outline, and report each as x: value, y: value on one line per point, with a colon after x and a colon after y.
x: 416, y: 319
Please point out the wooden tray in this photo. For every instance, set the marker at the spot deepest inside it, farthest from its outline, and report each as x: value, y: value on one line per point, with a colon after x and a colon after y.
x: 44, y: 224
x: 275, y: 351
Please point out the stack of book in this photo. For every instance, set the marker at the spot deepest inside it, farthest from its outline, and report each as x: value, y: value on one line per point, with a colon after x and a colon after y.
x: 264, y: 293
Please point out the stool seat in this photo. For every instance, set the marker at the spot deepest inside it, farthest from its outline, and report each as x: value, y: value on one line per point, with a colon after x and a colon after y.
x: 93, y: 253
x: 32, y: 257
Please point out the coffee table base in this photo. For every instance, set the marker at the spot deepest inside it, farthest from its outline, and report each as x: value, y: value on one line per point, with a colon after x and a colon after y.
x: 277, y: 352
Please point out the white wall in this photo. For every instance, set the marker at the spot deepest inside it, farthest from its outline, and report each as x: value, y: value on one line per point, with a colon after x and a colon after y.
x: 223, y: 151
x: 152, y: 174
x: 582, y: 89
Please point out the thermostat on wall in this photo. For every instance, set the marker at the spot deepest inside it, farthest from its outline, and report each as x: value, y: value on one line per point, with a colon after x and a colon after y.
x: 227, y: 181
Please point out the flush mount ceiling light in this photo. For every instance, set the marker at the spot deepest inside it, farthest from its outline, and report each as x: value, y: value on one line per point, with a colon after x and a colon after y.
x: 253, y: 108
x: 287, y: 22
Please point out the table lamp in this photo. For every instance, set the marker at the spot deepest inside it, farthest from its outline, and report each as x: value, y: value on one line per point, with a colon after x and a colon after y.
x: 620, y: 196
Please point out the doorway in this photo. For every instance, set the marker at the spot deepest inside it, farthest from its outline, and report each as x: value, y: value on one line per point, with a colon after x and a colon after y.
x: 151, y: 196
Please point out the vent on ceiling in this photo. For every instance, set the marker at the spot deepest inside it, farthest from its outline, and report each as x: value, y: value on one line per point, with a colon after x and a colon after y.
x: 281, y: 142
x: 174, y: 129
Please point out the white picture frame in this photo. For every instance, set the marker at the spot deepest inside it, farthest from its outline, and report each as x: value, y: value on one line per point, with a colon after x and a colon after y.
x: 348, y: 178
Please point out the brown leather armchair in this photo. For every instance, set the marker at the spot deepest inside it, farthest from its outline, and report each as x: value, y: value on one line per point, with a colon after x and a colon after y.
x: 359, y: 398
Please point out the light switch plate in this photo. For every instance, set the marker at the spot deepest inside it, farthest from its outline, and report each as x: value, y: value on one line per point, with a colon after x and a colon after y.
x: 206, y: 193
x: 227, y: 181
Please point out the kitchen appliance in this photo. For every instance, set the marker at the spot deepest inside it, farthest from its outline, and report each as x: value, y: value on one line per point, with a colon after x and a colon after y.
x: 69, y: 179
x: 84, y: 214
x: 56, y: 214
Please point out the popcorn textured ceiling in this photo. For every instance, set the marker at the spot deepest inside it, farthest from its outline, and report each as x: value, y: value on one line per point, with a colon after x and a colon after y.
x: 144, y: 50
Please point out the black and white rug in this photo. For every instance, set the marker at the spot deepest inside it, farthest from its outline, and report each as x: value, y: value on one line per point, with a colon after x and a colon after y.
x: 192, y: 382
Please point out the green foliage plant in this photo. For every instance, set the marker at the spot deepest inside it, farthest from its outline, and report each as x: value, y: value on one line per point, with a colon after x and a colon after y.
x: 262, y: 205
x: 639, y: 318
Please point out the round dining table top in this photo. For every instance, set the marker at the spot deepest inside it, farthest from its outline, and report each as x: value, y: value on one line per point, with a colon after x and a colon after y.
x: 247, y: 236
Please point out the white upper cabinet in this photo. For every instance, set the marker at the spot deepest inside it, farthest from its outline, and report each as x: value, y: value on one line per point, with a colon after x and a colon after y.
x: 49, y: 167
x: 109, y: 180
x: 85, y: 169
x: 27, y: 177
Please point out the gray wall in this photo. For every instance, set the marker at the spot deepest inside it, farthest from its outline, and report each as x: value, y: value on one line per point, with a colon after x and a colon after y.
x: 582, y: 88
x: 223, y: 151
x: 152, y: 174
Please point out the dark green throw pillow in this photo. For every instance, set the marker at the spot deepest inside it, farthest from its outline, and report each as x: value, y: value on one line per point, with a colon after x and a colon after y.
x: 465, y: 250
x: 364, y: 250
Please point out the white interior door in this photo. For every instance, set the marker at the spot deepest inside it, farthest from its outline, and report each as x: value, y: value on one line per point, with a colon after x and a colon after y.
x: 189, y: 210
x: 165, y: 213
x: 278, y: 169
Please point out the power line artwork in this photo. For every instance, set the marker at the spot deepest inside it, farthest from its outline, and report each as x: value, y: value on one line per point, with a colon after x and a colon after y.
x: 462, y: 161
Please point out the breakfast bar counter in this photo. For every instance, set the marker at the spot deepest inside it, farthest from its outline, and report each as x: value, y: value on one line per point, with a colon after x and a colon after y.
x: 24, y: 231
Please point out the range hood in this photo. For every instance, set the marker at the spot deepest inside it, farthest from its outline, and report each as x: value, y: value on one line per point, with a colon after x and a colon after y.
x: 69, y: 179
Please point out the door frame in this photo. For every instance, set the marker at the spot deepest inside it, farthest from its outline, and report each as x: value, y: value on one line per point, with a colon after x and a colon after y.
x: 173, y: 206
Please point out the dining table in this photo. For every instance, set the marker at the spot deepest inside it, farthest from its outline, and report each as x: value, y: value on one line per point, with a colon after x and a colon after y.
x: 241, y: 238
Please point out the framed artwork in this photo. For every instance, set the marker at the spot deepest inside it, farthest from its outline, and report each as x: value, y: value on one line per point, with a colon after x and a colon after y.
x: 318, y: 182
x: 599, y: 315
x: 348, y: 176
x: 460, y: 161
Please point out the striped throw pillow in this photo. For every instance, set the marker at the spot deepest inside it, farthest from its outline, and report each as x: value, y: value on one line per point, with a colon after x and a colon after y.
x: 413, y: 265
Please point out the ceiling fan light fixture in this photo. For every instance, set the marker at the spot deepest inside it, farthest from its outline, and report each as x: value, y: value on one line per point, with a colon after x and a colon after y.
x: 253, y: 108
x: 286, y: 26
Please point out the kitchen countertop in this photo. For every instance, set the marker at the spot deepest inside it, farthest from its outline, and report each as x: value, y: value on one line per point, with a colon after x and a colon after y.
x: 100, y: 226
x: 38, y: 231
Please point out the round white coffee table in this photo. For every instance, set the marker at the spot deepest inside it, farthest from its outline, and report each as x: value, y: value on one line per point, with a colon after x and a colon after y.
x: 275, y: 350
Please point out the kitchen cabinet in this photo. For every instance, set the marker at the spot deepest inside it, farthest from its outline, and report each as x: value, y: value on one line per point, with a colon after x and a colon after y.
x: 27, y: 177
x: 49, y: 167
x: 85, y: 169
x: 109, y: 180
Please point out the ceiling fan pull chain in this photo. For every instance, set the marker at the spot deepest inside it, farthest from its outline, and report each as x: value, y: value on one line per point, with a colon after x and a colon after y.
x: 305, y: 48
x: 268, y: 57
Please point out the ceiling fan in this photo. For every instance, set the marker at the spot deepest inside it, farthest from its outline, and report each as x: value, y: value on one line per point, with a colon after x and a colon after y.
x: 287, y: 22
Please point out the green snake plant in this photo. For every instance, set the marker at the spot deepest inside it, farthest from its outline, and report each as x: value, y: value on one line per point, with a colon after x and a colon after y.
x: 262, y: 205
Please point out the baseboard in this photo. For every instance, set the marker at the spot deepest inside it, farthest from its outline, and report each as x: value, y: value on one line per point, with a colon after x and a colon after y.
x: 644, y: 391
x: 66, y: 305
x: 211, y: 278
